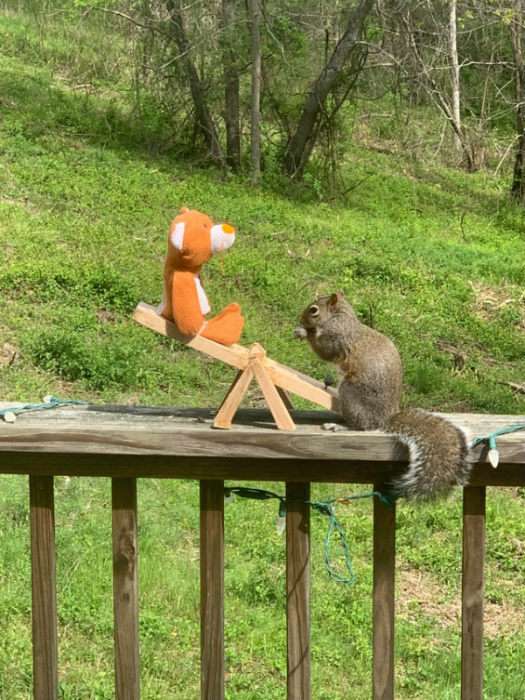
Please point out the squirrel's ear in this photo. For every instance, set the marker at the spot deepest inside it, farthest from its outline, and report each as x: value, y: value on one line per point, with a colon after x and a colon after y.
x: 334, y: 298
x: 183, y: 210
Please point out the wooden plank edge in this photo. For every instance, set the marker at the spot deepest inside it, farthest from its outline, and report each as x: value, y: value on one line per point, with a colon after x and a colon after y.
x: 302, y: 385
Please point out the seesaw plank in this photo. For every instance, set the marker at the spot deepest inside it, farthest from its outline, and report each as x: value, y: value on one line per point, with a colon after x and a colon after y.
x: 238, y: 356
x: 301, y: 384
x: 234, y: 355
x: 273, y: 399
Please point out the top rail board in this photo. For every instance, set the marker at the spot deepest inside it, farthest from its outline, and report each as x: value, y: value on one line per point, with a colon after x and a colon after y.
x: 142, y: 441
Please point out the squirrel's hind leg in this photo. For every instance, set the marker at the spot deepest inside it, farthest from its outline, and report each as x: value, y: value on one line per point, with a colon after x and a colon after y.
x: 362, y: 409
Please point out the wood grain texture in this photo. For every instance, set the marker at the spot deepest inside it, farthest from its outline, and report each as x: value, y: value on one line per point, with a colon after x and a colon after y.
x: 383, y: 600
x: 273, y: 399
x: 255, y: 469
x: 125, y: 588
x: 44, y: 606
x: 212, y: 589
x: 298, y: 590
x: 172, y: 432
x: 233, y: 398
x: 301, y: 384
x: 472, y: 593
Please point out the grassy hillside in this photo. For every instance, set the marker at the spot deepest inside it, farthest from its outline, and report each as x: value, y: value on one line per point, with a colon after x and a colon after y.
x: 432, y: 257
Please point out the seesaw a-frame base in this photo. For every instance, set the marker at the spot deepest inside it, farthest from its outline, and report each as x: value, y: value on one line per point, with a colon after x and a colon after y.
x: 274, y: 379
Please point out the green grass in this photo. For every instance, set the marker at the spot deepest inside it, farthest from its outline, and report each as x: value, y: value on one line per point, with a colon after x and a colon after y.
x: 432, y: 257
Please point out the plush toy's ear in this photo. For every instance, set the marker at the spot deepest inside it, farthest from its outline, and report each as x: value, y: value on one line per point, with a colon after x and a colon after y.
x: 177, y: 235
x: 184, y: 210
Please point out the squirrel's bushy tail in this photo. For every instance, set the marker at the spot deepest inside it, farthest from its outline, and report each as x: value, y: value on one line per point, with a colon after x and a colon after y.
x: 438, y: 453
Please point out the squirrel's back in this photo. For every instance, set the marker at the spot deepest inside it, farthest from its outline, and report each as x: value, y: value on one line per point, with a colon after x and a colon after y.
x: 438, y: 454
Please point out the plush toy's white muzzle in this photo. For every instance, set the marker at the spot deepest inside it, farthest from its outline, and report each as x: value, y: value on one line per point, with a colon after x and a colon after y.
x: 222, y: 237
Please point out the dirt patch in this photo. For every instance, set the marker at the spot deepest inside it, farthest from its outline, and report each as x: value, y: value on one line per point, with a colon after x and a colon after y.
x: 420, y: 594
x: 491, y: 300
x: 457, y: 355
x: 20, y: 202
x: 8, y: 354
x: 105, y: 316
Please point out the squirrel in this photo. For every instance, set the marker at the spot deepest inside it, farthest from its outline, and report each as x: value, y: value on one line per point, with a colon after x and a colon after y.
x: 370, y: 395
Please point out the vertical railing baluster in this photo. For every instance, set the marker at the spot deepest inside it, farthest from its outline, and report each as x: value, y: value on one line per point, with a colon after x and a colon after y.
x: 125, y: 588
x: 43, y: 569
x: 212, y: 589
x: 472, y: 593
x: 384, y: 600
x: 298, y: 590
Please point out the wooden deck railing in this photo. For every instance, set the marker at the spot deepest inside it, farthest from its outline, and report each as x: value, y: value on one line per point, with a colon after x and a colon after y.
x: 125, y: 443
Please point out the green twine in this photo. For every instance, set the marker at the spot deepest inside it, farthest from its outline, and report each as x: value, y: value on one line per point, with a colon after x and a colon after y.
x: 9, y: 414
x: 334, y: 527
x: 491, y: 437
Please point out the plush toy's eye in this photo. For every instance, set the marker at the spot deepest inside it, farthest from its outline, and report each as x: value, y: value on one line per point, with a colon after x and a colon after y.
x: 313, y: 310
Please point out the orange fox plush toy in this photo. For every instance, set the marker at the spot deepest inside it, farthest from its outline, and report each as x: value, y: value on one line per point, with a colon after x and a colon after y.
x: 192, y: 239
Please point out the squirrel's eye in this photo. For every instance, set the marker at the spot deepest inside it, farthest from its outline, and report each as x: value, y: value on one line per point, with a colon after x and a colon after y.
x: 313, y: 310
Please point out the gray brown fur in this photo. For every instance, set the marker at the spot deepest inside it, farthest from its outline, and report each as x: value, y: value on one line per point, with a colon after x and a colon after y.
x: 370, y: 394
x: 438, y: 454
x: 372, y: 372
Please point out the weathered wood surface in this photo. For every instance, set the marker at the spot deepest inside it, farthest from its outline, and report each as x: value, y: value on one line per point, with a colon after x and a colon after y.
x: 125, y: 588
x: 472, y: 593
x: 233, y: 398
x: 298, y: 591
x: 133, y: 441
x: 274, y: 401
x: 44, y: 606
x: 212, y: 589
x: 383, y: 600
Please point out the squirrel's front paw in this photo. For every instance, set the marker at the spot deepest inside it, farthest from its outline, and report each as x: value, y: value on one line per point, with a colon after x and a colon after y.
x: 300, y: 333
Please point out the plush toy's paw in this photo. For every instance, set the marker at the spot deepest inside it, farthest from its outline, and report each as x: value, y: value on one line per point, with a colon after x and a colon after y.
x: 228, y: 311
x: 226, y: 327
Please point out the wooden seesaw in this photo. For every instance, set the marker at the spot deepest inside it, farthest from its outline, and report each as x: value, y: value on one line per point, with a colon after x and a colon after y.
x: 252, y: 363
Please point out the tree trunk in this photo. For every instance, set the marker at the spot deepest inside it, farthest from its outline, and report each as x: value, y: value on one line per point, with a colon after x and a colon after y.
x: 441, y: 100
x: 518, y: 178
x: 303, y: 139
x: 454, y: 73
x: 255, y: 20
x: 231, y: 85
x: 203, y: 118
